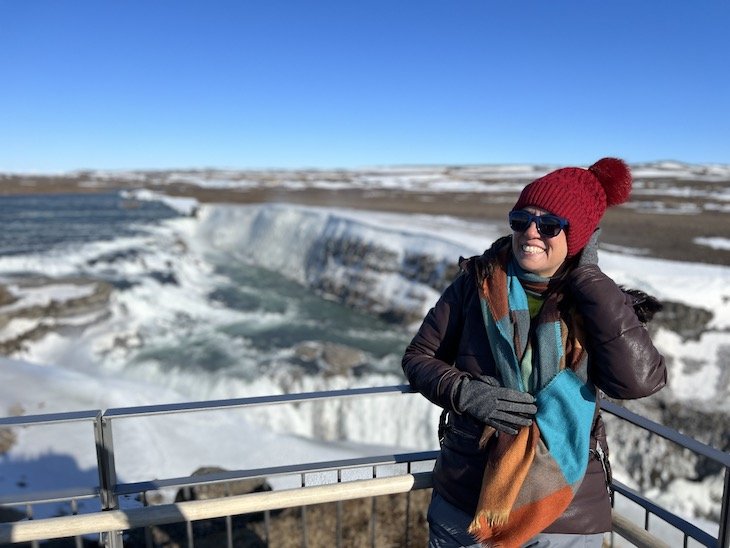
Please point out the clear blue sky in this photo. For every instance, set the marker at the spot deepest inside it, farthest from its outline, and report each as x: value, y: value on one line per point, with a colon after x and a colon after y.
x: 325, y: 83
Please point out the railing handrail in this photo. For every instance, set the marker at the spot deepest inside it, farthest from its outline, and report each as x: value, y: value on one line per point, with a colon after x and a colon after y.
x: 691, y: 530
x: 664, y: 431
x: 211, y: 405
x: 694, y: 445
x: 309, y: 468
x: 210, y: 508
x: 50, y: 418
x: 43, y: 497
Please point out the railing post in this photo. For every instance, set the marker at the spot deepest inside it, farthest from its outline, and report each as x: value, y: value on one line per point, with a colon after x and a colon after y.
x: 107, y: 475
x: 723, y: 538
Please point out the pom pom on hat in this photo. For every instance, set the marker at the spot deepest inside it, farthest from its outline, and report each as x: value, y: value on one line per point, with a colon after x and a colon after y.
x: 615, y: 178
x: 579, y: 195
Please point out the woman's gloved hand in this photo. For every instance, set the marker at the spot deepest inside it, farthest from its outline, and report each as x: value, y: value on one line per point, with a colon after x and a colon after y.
x: 502, y: 408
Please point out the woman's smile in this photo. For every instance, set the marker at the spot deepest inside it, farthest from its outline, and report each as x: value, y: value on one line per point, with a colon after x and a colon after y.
x: 536, y: 253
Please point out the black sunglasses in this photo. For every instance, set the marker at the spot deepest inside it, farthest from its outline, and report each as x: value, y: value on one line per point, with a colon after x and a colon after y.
x: 547, y: 225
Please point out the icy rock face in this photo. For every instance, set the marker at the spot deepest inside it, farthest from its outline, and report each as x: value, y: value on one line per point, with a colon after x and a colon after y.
x: 707, y: 426
x: 25, y: 318
x: 387, y: 272
x: 687, y: 321
x: 352, y: 270
x: 653, y: 462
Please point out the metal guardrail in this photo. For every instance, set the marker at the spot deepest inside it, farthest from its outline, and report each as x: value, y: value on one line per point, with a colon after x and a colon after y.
x: 722, y: 458
x: 67, y: 526
x: 111, y: 521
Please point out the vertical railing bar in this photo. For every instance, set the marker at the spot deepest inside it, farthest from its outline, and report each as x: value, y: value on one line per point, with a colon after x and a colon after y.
x: 29, y: 515
x: 408, y: 517
x: 686, y: 540
x: 229, y: 518
x: 723, y: 537
x: 148, y: 528
x: 373, y: 520
x: 650, y: 438
x: 338, y: 524
x: 339, y: 512
x: 267, y: 527
x: 229, y: 531
x: 305, y: 536
x: 612, y: 497
x: 409, y: 469
x: 75, y: 512
x: 189, y: 532
x: 373, y: 510
x: 107, y: 474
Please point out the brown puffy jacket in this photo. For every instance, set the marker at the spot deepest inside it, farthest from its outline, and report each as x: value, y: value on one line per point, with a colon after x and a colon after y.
x: 451, y: 343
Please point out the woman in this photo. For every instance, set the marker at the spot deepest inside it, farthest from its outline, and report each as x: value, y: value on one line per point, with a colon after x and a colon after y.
x: 515, y: 351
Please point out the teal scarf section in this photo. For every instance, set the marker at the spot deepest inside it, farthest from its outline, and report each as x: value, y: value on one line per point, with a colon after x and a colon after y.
x: 531, y: 356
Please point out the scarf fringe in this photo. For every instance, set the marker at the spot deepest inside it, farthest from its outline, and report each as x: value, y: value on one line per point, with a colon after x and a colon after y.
x: 483, y: 526
x: 486, y: 520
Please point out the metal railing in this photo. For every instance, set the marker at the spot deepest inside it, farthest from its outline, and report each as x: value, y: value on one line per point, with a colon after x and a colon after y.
x: 696, y: 447
x: 402, y: 475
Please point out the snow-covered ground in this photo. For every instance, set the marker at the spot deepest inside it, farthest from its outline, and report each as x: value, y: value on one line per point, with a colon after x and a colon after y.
x: 282, y: 238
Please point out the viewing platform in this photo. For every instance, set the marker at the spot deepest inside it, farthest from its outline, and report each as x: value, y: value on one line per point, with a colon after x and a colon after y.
x: 126, y: 513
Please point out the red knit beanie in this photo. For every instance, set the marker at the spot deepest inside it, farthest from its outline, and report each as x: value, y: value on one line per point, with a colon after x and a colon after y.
x: 579, y: 195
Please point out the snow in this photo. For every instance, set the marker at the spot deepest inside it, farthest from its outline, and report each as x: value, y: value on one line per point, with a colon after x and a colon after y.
x: 279, y: 237
x: 714, y: 243
x: 186, y: 206
x: 435, y: 179
x: 45, y: 294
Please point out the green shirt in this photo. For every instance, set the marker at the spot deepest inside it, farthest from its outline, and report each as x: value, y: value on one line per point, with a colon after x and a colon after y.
x: 534, y: 304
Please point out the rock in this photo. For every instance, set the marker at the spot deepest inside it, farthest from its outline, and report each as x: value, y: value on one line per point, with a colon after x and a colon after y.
x: 56, y: 315
x: 7, y: 439
x: 340, y: 358
x: 6, y: 297
x: 688, y: 321
x: 307, y: 351
x: 329, y: 358
x: 220, y: 489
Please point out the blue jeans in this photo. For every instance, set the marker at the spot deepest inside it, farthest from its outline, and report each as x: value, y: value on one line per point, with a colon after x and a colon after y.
x: 447, y: 529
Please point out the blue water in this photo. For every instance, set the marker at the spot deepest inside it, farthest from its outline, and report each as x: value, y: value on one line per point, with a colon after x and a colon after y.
x: 293, y: 315
x: 37, y: 223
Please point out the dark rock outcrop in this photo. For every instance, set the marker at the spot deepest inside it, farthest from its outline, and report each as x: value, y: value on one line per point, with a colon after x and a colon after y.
x: 54, y: 316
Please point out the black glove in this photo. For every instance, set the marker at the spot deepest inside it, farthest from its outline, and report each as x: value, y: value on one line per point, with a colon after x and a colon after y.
x: 589, y: 255
x: 502, y: 408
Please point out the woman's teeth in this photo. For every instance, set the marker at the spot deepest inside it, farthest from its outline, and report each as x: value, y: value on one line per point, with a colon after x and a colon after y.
x: 532, y: 249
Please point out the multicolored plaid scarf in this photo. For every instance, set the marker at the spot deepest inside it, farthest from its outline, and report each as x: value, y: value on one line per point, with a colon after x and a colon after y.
x: 530, y: 478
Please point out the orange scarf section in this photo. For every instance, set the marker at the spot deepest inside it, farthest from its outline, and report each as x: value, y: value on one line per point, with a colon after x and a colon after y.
x: 503, y: 525
x: 502, y: 481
